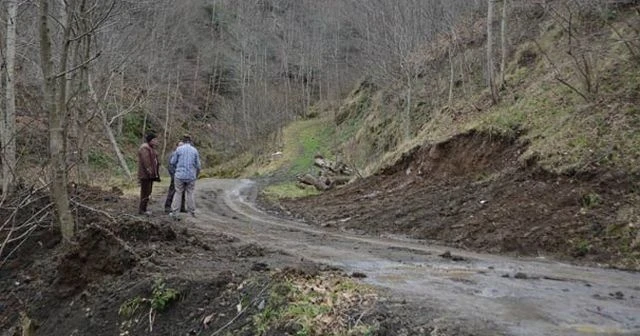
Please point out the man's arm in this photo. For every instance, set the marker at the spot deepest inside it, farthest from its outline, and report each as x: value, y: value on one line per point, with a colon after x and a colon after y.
x: 198, y: 166
x: 172, y: 167
x: 173, y: 161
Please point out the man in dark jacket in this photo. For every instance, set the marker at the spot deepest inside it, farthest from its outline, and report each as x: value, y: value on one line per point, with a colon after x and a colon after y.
x: 172, y: 186
x: 148, y: 171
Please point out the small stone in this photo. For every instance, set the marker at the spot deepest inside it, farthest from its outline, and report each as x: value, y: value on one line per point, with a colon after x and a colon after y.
x: 259, y: 267
x: 618, y: 295
x: 521, y: 275
x: 358, y: 275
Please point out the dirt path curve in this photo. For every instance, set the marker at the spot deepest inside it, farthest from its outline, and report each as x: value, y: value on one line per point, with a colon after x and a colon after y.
x: 518, y: 296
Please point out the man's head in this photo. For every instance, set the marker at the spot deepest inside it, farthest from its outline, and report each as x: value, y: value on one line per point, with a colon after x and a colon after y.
x: 186, y: 138
x: 151, y: 139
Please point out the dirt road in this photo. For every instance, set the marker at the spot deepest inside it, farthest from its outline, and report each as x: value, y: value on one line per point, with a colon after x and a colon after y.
x: 514, y: 296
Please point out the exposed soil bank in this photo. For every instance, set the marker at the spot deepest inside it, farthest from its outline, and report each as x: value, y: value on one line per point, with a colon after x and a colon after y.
x: 473, y: 192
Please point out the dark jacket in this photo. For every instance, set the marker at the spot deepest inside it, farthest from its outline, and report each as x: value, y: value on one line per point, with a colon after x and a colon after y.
x: 148, y: 165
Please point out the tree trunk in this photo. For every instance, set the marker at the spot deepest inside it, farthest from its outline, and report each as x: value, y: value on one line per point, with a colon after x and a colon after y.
x: 120, y: 120
x: 407, y: 114
x: 451, y: 75
x: 195, y: 77
x: 503, y: 41
x: 83, y: 119
x: 59, y: 193
x: 243, y: 93
x: 166, y: 117
x: 9, y: 121
x: 490, y: 74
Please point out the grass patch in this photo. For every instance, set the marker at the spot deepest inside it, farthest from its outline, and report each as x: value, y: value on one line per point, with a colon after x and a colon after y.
x: 288, y: 190
x: 301, y: 141
x: 590, y: 200
x: 318, y: 306
x: 230, y: 169
x: 133, y: 309
x: 306, y: 142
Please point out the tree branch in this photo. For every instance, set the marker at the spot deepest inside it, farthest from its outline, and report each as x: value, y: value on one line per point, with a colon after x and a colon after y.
x: 64, y: 73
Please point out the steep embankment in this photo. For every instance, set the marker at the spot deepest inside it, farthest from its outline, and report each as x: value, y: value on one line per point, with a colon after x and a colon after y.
x: 549, y: 169
x: 471, y: 192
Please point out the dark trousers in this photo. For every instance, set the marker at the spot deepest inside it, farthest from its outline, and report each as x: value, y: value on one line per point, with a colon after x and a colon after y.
x: 170, y: 194
x: 146, y: 186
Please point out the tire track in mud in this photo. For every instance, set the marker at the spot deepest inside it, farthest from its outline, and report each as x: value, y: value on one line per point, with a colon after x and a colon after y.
x: 517, y: 296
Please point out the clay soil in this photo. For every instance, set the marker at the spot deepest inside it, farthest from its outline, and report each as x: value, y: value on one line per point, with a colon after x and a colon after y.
x: 474, y: 193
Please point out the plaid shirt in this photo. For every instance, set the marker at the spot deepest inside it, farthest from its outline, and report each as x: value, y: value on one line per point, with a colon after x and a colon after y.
x: 186, y: 161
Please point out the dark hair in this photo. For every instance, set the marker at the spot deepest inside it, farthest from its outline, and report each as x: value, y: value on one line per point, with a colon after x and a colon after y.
x: 186, y: 138
x: 149, y: 137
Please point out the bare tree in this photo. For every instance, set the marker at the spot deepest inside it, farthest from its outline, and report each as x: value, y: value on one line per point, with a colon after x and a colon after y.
x: 9, y: 135
x: 107, y: 126
x: 503, y: 41
x: 55, y: 102
x: 490, y: 71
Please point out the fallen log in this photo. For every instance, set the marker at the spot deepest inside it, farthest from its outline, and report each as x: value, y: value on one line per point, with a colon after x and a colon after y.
x: 318, y: 182
x: 340, y: 180
x: 338, y: 168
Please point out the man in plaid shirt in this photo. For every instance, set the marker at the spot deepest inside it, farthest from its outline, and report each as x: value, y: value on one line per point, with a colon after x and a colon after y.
x: 186, y: 161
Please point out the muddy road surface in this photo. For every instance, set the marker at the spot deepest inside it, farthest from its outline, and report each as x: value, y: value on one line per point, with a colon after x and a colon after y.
x: 510, y: 296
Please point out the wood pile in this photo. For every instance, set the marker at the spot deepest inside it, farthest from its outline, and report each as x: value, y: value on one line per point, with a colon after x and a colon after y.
x: 332, y: 174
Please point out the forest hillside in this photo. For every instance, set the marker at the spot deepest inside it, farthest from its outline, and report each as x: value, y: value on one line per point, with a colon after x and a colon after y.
x: 479, y: 167
x: 528, y: 147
